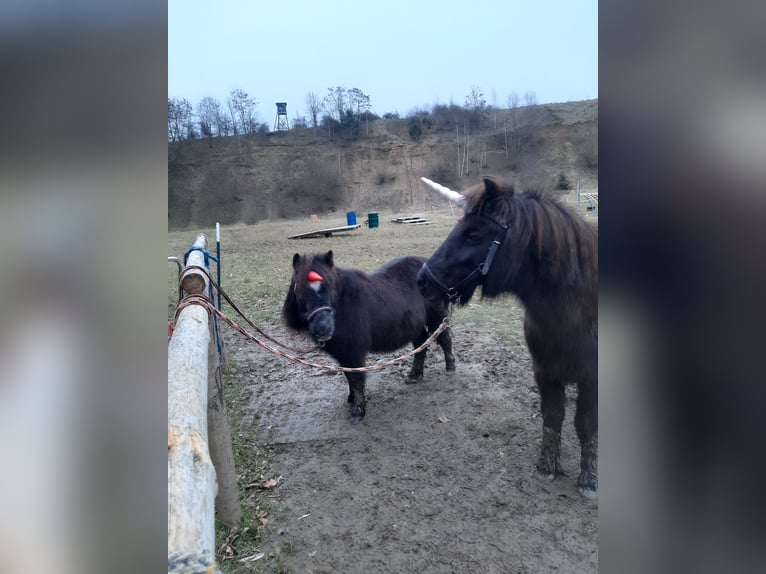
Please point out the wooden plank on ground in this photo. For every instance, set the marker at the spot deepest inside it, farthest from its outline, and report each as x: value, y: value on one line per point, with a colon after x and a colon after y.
x: 411, y: 220
x: 325, y: 232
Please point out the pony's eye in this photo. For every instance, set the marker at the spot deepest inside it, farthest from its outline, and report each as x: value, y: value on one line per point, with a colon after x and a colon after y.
x: 472, y: 236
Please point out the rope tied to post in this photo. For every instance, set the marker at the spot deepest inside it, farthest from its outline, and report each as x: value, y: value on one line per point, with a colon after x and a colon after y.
x: 223, y: 293
x: 207, y: 257
x: 204, y: 302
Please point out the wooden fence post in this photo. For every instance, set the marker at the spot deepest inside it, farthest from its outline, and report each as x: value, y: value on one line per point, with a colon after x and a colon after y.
x: 192, y: 357
x: 227, y: 503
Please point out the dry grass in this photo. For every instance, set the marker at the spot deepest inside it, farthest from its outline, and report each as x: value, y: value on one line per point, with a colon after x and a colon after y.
x: 257, y: 259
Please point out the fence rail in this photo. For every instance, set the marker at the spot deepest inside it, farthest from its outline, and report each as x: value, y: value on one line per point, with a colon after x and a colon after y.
x: 201, y: 475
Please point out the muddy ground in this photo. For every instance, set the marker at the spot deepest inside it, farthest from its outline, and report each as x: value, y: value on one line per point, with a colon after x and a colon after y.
x: 438, y: 477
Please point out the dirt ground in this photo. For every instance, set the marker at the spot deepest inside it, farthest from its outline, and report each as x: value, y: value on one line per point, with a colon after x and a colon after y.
x: 438, y: 477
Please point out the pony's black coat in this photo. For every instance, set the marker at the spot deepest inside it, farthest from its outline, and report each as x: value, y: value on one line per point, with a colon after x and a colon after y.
x: 548, y: 257
x: 354, y: 313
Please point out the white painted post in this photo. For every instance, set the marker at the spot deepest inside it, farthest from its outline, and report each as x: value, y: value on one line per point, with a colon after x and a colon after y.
x: 578, y: 193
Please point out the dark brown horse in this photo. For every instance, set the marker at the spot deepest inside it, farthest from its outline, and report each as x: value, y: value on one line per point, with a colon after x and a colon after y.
x: 353, y: 313
x: 531, y: 245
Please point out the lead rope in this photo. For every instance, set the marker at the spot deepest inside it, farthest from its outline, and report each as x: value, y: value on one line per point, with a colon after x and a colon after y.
x: 204, y: 302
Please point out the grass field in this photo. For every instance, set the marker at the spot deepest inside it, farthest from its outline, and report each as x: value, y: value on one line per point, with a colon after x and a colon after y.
x: 257, y: 259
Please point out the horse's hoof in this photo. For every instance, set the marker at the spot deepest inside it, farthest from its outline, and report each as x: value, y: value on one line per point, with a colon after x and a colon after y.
x: 589, y: 493
x: 357, y: 413
x: 547, y: 471
x: 588, y: 484
x: 413, y: 379
x: 451, y: 367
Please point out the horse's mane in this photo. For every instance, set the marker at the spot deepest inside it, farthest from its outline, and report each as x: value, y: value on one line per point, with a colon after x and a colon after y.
x: 303, y: 264
x: 542, y: 231
x: 339, y: 282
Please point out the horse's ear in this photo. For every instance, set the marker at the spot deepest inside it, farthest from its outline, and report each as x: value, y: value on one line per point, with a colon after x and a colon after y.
x: 328, y: 258
x: 494, y: 187
x: 296, y: 259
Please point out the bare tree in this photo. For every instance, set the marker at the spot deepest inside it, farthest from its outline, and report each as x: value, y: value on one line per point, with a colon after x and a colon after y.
x: 359, y: 102
x: 476, y: 106
x: 475, y: 99
x: 180, y: 116
x: 242, y: 110
x: 530, y: 98
x: 172, y: 119
x: 209, y: 114
x: 224, y: 126
x: 189, y: 129
x: 512, y: 123
x: 314, y: 108
x: 335, y: 102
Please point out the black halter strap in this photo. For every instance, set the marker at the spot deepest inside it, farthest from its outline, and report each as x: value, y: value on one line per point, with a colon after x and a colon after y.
x: 318, y: 310
x: 453, y: 293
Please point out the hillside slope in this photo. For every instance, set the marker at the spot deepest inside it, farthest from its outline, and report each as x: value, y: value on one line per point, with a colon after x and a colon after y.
x: 300, y: 172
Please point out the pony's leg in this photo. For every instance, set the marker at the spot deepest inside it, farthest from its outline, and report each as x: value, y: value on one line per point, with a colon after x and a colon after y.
x: 416, y: 372
x: 445, y: 342
x: 586, y: 425
x: 552, y: 402
x: 356, y: 395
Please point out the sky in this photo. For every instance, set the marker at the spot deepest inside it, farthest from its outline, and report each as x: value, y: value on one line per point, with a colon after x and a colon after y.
x: 404, y: 54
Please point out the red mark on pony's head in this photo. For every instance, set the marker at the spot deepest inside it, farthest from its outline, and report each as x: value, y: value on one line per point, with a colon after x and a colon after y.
x: 314, y: 276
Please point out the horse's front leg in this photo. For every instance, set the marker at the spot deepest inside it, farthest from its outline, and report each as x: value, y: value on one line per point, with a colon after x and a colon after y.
x: 552, y: 405
x: 416, y: 372
x: 445, y: 342
x: 356, y: 395
x: 586, y: 425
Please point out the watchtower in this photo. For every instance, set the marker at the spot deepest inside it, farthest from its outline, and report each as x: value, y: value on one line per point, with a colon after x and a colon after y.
x: 280, y: 122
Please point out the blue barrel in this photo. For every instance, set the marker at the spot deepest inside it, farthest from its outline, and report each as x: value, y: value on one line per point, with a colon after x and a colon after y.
x: 372, y: 218
x: 351, y: 217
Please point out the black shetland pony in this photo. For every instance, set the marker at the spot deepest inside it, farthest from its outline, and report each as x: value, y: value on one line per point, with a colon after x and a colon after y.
x: 531, y: 245
x: 353, y: 313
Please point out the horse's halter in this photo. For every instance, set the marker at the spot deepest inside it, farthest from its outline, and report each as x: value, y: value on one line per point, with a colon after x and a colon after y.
x: 453, y: 293
x: 316, y: 278
x: 319, y: 310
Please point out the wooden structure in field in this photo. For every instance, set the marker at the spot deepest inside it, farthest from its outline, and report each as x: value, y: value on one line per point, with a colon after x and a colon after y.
x: 412, y: 220
x: 280, y: 121
x: 592, y: 199
x: 325, y: 232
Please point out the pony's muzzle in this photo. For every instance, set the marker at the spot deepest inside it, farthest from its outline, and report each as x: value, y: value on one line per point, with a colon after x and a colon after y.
x: 322, y: 324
